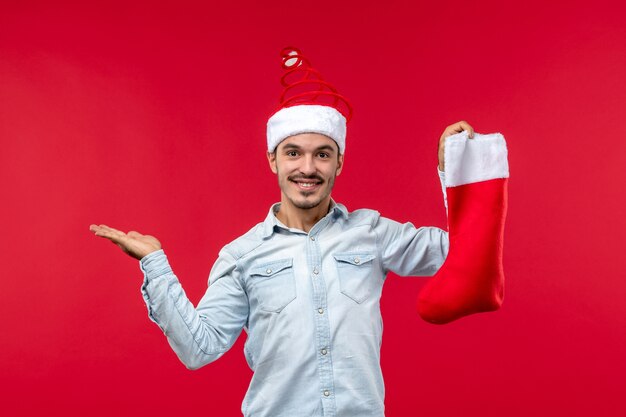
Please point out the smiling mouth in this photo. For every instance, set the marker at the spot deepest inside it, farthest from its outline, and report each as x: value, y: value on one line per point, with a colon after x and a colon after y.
x: 306, y: 184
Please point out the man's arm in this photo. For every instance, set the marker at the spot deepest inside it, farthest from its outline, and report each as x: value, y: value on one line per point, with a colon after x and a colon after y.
x: 197, y: 335
x: 409, y: 251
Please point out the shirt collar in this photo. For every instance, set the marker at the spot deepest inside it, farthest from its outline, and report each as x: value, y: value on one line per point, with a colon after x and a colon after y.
x: 271, y: 222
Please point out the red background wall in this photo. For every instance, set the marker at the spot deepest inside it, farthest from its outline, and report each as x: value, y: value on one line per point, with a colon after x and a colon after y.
x: 152, y: 117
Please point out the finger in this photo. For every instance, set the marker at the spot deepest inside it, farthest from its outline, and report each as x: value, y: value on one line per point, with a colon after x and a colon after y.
x: 466, y: 126
x: 453, y: 129
x: 113, y: 234
x: 112, y: 231
x: 96, y: 229
x: 101, y: 227
x: 133, y: 234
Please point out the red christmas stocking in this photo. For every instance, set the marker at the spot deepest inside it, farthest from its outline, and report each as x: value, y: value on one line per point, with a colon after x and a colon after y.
x: 471, y: 280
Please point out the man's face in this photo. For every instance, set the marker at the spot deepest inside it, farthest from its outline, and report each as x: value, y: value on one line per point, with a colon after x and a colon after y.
x: 306, y: 166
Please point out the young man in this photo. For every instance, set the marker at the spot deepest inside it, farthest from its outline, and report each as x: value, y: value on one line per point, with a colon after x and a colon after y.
x: 305, y: 283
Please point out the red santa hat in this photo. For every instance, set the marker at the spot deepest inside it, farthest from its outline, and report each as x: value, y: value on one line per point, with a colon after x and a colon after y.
x: 308, y: 104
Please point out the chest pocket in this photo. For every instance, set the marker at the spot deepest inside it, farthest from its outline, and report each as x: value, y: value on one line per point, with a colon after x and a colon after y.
x: 355, y: 274
x: 273, y: 285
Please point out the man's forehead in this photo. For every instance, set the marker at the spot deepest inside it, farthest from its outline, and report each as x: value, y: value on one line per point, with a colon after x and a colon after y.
x: 309, y: 140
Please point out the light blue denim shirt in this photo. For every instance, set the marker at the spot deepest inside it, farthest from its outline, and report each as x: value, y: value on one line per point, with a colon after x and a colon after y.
x: 309, y: 303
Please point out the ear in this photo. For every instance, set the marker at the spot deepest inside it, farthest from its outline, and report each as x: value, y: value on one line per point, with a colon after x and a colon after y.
x: 271, y: 158
x: 339, y: 164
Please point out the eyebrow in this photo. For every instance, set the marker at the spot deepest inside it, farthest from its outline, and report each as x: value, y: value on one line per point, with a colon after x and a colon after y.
x: 291, y: 146
x: 321, y: 148
x: 326, y: 148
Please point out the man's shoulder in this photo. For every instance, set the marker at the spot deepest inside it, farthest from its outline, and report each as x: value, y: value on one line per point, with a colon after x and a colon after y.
x: 363, y: 217
x: 247, y: 242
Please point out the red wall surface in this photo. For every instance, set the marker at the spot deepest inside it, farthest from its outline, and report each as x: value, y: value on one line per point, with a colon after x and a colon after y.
x: 152, y: 117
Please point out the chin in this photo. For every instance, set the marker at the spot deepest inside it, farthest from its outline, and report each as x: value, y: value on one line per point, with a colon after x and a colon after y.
x: 306, y: 205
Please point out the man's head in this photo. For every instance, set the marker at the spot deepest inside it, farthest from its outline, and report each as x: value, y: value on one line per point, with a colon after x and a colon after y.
x: 306, y: 135
x: 306, y: 165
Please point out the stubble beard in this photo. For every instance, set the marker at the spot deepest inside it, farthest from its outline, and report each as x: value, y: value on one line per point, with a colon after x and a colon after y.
x: 307, y: 205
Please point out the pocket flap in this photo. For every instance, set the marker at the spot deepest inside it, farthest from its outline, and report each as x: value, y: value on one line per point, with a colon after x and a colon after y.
x: 268, y: 269
x: 354, y: 258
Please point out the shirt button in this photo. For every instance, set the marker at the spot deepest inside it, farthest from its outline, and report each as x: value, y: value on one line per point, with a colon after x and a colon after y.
x: 268, y: 271
x: 313, y: 238
x: 357, y: 261
x: 316, y: 271
x: 326, y: 393
x: 324, y: 351
x: 320, y: 310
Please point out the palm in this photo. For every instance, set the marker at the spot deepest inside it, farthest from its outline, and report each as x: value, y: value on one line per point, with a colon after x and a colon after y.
x: 133, y: 243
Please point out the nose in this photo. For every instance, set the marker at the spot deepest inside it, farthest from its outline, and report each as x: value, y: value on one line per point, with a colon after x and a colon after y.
x: 308, y: 165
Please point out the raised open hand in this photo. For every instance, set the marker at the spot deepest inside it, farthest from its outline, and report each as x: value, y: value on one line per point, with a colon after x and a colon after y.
x: 133, y: 243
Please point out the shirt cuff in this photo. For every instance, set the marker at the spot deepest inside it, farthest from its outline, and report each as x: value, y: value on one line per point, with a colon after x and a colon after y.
x: 155, y: 264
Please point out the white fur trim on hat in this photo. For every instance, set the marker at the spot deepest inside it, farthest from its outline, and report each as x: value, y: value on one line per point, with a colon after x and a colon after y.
x: 482, y: 158
x: 306, y: 118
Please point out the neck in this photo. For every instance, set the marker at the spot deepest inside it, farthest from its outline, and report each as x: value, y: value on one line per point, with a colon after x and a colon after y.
x: 303, y: 219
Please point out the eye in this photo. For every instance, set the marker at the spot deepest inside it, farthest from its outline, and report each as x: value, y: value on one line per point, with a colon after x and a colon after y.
x: 324, y: 155
x: 292, y: 153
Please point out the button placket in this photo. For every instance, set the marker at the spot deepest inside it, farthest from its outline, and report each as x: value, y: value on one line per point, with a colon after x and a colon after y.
x: 322, y: 324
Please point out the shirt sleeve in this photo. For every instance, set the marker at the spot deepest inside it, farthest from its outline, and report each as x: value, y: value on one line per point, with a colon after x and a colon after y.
x: 197, y: 335
x: 410, y: 251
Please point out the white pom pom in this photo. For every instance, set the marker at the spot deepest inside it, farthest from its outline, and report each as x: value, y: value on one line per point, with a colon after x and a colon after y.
x: 292, y: 61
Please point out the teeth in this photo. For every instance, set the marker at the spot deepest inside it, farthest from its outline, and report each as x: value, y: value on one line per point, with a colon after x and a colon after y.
x: 306, y: 184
